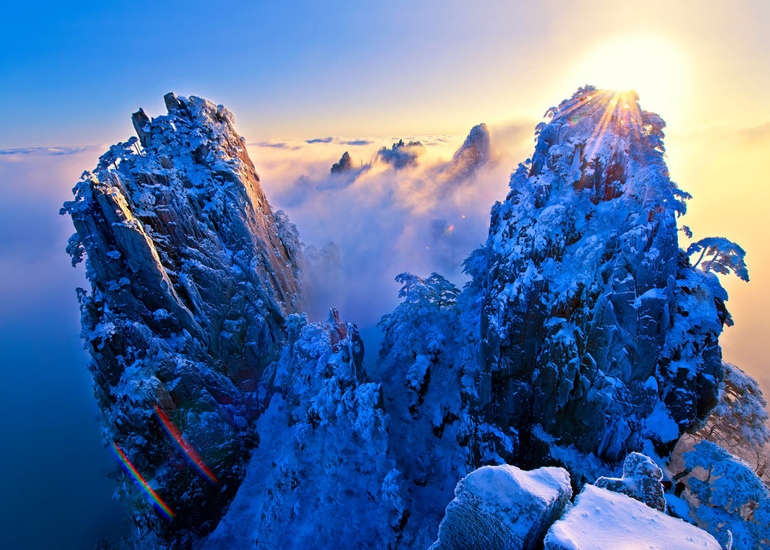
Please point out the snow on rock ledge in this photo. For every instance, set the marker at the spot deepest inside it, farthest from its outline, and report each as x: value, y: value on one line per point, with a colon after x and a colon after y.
x: 503, y: 507
x: 604, y: 520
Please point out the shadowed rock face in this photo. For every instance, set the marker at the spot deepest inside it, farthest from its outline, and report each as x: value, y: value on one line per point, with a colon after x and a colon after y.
x: 192, y: 277
x: 595, y: 326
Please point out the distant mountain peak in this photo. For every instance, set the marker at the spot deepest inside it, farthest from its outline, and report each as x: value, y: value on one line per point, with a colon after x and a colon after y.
x: 345, y: 164
x: 474, y: 153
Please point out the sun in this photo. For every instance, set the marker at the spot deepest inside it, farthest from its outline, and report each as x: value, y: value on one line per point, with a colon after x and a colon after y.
x: 652, y: 66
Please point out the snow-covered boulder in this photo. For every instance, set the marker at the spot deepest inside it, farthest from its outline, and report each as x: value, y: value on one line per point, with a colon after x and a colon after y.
x: 503, y: 507
x: 640, y: 480
x: 605, y: 520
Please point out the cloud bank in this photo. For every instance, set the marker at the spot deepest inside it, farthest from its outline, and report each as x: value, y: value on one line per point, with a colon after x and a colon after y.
x: 43, y: 360
x: 425, y: 215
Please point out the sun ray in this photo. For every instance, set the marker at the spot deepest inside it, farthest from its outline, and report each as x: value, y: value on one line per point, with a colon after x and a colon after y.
x: 601, y: 128
x: 655, y: 67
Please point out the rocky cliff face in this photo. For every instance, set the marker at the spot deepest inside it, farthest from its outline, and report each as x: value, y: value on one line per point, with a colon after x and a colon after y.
x: 502, y: 507
x: 597, y: 331
x: 192, y: 278
x: 584, y: 332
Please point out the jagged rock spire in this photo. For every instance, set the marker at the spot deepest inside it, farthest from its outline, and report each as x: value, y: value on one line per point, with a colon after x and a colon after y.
x: 192, y: 277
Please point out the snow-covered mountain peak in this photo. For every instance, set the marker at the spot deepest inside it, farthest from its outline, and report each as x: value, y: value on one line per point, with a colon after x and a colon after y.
x: 585, y: 289
x: 603, y: 145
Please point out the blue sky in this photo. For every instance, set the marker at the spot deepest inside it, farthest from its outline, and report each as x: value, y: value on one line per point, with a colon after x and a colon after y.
x: 69, y: 72
x: 73, y: 71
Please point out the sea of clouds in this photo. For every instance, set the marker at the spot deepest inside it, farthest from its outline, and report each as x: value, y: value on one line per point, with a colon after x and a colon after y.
x: 423, y: 217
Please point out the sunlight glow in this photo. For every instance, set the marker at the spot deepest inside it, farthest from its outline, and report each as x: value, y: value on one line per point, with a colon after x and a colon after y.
x: 655, y: 68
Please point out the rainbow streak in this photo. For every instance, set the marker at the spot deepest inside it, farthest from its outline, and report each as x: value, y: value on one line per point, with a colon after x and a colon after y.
x: 156, y: 500
x: 188, y: 449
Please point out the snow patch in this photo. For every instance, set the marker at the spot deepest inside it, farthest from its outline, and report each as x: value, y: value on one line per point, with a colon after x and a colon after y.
x: 604, y: 520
